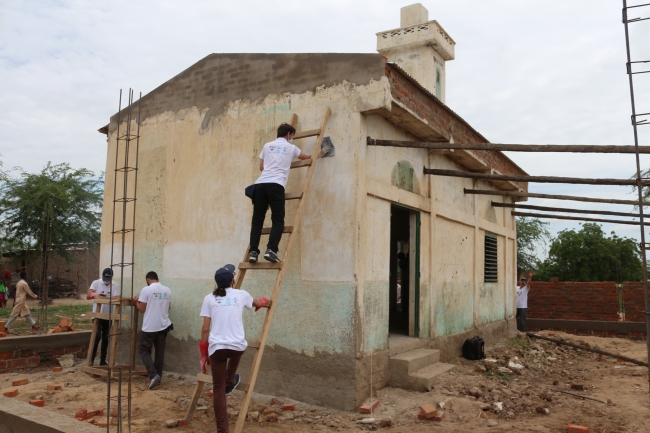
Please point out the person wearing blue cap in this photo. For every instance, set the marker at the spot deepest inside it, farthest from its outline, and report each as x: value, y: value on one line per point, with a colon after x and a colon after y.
x: 103, y: 287
x: 222, y: 338
x: 154, y: 301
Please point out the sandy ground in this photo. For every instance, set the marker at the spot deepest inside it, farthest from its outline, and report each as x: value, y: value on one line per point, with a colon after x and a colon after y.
x: 547, y: 369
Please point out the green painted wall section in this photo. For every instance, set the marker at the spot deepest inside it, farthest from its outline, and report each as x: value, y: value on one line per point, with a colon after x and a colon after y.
x: 375, y: 316
x: 425, y: 311
x: 454, y: 308
x: 491, y: 300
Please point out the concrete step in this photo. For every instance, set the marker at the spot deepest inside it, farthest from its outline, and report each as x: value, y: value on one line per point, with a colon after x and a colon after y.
x: 401, y: 343
x: 408, y: 362
x: 424, y: 378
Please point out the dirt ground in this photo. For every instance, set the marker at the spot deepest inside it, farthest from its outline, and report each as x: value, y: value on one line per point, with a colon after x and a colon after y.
x: 546, y: 370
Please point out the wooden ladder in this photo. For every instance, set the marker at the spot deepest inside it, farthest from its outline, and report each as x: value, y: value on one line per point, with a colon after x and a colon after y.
x: 245, y: 266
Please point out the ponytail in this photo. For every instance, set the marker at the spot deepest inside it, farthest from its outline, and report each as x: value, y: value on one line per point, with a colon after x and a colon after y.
x: 220, y: 291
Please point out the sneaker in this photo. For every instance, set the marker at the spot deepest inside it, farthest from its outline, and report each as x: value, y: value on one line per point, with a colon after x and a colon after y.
x: 252, y: 257
x: 271, y: 257
x: 230, y: 389
x: 154, y: 382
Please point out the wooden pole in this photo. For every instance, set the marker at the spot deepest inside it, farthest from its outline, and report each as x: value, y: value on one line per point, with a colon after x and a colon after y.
x: 535, y: 179
x: 571, y: 148
x: 559, y: 209
x: 553, y: 197
x: 562, y: 217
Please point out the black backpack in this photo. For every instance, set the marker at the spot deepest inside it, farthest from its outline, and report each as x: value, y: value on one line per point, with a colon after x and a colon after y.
x: 473, y: 348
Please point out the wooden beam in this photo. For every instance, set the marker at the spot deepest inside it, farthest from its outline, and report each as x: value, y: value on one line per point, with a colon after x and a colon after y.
x: 563, y: 217
x: 553, y: 197
x: 535, y: 179
x: 559, y: 209
x: 571, y: 148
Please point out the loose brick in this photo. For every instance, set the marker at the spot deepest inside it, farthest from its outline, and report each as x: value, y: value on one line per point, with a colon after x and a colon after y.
x: 53, y: 387
x: 182, y: 423
x: 437, y: 417
x: 275, y: 401
x: 269, y: 410
x: 272, y: 417
x: 3, y: 334
x: 289, y: 406
x: 57, y: 369
x: 369, y: 405
x: 10, y: 392
x: 574, y: 428
x: 39, y: 403
x: 428, y: 410
x: 20, y: 382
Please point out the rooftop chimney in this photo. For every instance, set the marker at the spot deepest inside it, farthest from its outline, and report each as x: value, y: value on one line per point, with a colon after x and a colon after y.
x: 420, y: 47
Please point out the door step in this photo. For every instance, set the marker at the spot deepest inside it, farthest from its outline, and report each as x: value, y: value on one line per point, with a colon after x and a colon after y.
x: 416, y: 369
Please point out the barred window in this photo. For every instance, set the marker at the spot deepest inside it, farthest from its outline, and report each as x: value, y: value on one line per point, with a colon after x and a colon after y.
x: 491, y: 273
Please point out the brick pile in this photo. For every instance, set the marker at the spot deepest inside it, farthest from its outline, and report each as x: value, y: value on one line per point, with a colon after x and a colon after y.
x: 64, y: 326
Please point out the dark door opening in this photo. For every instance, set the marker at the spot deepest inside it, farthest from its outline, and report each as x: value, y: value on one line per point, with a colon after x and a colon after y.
x: 400, y: 280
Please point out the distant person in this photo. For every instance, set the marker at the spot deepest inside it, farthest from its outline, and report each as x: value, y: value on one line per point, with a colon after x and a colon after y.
x: 275, y: 163
x: 399, y: 296
x: 155, y: 301
x: 522, y: 301
x: 3, y: 295
x: 222, y: 338
x: 104, y: 287
x: 20, y: 305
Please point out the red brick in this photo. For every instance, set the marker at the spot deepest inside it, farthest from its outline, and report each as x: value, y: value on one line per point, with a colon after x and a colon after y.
x: 19, y: 362
x: 26, y: 353
x: 275, y: 401
x: 58, y: 352
x: 57, y: 369
x: 273, y: 417
x: 3, y: 334
x: 19, y: 382
x: 437, y: 417
x: 39, y: 403
x: 288, y: 406
x: 182, y: 423
x: 428, y: 410
x: 369, y: 405
x: 10, y: 392
x: 53, y: 387
x: 6, y: 355
x: 574, y: 428
x: 3, y: 365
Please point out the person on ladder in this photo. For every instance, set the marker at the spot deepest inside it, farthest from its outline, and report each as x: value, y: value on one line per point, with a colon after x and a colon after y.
x: 222, y: 338
x: 275, y: 163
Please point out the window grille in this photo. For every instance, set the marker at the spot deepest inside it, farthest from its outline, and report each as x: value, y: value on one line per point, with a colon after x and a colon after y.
x: 491, y: 262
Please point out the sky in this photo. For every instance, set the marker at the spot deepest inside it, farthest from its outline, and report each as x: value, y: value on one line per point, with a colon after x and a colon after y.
x: 530, y: 72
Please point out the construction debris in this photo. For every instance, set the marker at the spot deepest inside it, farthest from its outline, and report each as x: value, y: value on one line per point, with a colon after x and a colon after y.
x: 64, y: 326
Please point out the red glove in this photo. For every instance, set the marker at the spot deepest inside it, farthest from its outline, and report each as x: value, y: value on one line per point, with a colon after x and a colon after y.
x: 205, y: 359
x: 263, y: 302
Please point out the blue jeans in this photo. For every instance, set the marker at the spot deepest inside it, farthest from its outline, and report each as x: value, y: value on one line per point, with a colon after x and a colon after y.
x: 521, y: 319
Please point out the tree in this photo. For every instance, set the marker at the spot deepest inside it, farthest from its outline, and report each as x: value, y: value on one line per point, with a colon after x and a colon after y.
x: 530, y: 233
x: 52, y: 209
x: 590, y: 255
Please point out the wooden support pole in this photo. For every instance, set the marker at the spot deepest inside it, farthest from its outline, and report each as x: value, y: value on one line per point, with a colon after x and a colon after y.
x: 553, y: 197
x: 571, y: 148
x: 536, y: 179
x: 559, y: 209
x: 562, y: 217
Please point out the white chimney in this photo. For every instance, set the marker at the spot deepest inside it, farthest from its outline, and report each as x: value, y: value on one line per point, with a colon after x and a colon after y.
x: 420, y: 47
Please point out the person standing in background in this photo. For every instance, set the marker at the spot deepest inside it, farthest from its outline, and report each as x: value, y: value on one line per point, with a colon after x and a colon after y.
x: 103, y: 287
x: 522, y: 301
x: 20, y: 305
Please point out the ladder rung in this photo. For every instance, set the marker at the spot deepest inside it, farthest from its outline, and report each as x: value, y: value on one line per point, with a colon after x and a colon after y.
x: 253, y: 343
x: 292, y: 195
x: 286, y: 229
x: 204, y: 378
x: 260, y: 265
x: 303, y: 134
x: 301, y: 163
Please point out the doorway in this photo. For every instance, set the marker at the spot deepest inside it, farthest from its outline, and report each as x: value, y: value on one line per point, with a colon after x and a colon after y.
x: 404, y: 274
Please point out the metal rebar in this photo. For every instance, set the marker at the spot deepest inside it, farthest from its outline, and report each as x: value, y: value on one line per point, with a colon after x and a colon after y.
x: 638, y: 176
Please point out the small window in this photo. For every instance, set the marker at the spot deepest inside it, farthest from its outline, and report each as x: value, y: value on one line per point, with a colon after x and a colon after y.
x: 491, y: 274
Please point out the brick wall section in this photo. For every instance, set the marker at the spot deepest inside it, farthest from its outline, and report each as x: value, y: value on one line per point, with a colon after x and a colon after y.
x: 440, y: 116
x: 595, y: 333
x: 21, y: 359
x: 585, y: 301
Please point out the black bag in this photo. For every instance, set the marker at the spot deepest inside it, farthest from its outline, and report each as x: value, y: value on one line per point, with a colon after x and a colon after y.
x: 250, y: 191
x: 473, y: 348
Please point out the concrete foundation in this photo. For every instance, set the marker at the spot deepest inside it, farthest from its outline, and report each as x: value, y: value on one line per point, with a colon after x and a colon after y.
x: 19, y: 417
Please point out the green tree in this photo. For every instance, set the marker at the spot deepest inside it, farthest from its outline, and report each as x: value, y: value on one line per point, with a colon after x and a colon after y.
x: 57, y: 207
x: 530, y: 233
x: 590, y: 255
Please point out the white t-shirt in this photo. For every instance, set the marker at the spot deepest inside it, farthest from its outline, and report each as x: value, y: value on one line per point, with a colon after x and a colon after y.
x: 399, y: 294
x: 102, y: 289
x: 226, y: 326
x: 522, y: 296
x: 277, y: 156
x: 156, y: 316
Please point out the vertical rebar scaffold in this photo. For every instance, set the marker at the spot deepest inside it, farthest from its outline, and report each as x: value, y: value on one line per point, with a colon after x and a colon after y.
x: 636, y: 122
x: 125, y: 171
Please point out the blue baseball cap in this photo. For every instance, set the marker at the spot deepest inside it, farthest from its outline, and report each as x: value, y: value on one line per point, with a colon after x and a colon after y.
x: 107, y: 275
x: 224, y: 275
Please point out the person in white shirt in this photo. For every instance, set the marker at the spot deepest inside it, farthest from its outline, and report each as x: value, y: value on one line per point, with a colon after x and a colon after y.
x: 399, y: 296
x: 155, y: 301
x: 275, y: 163
x: 103, y: 287
x: 222, y: 338
x: 522, y: 301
